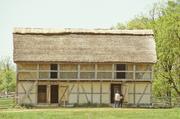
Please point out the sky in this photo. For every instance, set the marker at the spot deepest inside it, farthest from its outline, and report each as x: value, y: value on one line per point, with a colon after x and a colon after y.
x: 64, y: 14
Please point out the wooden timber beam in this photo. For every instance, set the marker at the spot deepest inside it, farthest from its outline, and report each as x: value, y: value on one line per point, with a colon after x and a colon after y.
x: 152, y: 75
x: 85, y: 93
x: 126, y: 88
x: 63, y: 93
x: 77, y: 92
x: 101, y: 92
x: 17, y: 80
x: 70, y: 91
x: 140, y: 98
x: 27, y: 92
x: 91, y: 92
x: 134, y: 84
x: 113, y: 76
x: 95, y: 71
x: 49, y: 93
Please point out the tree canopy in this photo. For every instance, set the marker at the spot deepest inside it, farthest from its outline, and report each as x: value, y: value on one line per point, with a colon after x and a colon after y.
x: 164, y: 20
x: 7, y: 75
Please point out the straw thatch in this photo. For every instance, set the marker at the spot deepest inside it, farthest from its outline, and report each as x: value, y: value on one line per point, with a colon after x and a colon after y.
x: 80, y: 31
x: 82, y: 45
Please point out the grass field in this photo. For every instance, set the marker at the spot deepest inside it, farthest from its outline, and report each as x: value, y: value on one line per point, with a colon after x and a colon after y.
x: 8, y: 112
x: 90, y: 113
x: 6, y: 103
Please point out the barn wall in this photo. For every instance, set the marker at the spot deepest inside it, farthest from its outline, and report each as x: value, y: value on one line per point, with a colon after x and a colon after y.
x: 25, y: 66
x: 85, y: 92
x: 27, y: 92
x: 24, y: 75
x: 32, y: 71
x: 142, y: 93
x: 89, y: 92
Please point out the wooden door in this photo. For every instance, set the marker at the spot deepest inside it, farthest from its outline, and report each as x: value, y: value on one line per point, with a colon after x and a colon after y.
x: 42, y: 93
x: 54, y: 93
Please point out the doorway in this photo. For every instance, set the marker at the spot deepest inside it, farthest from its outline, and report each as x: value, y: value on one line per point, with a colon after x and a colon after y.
x: 54, y: 93
x: 114, y: 89
x: 42, y: 93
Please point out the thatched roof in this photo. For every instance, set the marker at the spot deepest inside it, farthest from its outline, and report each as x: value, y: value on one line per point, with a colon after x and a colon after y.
x: 80, y: 31
x: 83, y: 45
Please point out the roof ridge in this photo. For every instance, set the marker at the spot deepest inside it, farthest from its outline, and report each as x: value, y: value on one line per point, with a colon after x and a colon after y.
x: 20, y: 30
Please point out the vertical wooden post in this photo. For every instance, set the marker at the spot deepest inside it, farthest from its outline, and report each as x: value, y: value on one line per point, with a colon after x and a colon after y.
x: 78, y: 71
x: 37, y: 71
x: 91, y: 92
x: 95, y: 71
x: 36, y: 86
x: 78, y: 92
x: 59, y: 93
x: 17, y: 80
x: 68, y: 90
x: 58, y: 73
x: 113, y: 71
x: 78, y: 83
x: 92, y: 86
x: 152, y: 75
x: 49, y: 93
x: 100, y: 91
x: 134, y: 86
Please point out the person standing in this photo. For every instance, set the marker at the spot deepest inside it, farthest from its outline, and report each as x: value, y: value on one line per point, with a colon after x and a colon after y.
x: 121, y: 100
x: 116, y: 99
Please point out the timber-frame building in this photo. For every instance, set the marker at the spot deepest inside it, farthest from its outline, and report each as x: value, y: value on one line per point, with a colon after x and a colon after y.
x: 78, y: 66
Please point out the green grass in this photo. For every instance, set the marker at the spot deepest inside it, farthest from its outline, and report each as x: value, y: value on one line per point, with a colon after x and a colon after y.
x: 8, y: 112
x: 6, y: 103
x: 90, y: 113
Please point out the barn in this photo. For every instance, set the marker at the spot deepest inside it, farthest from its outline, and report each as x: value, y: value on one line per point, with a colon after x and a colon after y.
x: 61, y: 67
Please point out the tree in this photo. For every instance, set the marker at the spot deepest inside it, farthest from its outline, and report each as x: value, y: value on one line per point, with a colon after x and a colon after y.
x: 7, y: 76
x: 164, y: 19
x: 140, y: 22
x: 120, y: 26
x: 167, y: 34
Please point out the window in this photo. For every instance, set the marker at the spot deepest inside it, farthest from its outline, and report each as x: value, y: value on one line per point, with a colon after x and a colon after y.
x: 144, y: 71
x: 87, y: 71
x: 27, y: 75
x: 104, y: 71
x: 68, y: 71
x: 119, y: 71
x: 54, y: 73
x: 54, y: 67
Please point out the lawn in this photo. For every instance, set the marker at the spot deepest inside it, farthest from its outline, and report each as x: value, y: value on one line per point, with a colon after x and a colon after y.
x: 6, y: 103
x: 8, y: 112
x: 90, y: 113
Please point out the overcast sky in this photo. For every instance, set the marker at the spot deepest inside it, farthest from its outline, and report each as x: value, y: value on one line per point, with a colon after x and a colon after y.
x: 64, y: 14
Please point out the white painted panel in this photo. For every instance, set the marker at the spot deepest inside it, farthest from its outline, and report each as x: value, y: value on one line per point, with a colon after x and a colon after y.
x: 106, y: 98
x: 96, y: 87
x: 125, y: 92
x: 140, y: 87
x: 84, y: 99
x: 144, y: 99
x: 106, y: 87
x: 73, y: 87
x: 130, y: 87
x: 23, y: 99
x: 27, y: 86
x: 85, y: 87
x: 130, y: 98
x: 96, y: 98
x: 73, y: 98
